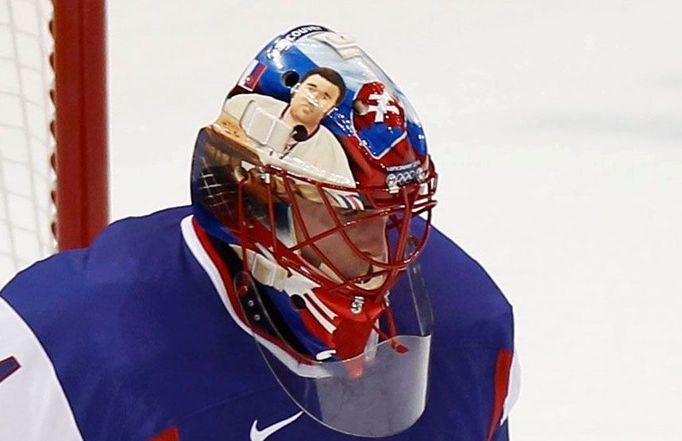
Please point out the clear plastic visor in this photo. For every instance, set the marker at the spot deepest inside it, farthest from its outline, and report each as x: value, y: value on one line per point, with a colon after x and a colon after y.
x: 376, y: 394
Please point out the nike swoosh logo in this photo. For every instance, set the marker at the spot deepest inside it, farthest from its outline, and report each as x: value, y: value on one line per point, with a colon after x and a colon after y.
x: 261, y: 435
x: 8, y: 366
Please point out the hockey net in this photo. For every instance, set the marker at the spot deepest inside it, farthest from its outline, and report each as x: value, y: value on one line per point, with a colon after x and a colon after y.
x: 52, y: 128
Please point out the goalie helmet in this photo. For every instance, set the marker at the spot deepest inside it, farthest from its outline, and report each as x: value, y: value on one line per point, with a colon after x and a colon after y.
x: 315, y: 178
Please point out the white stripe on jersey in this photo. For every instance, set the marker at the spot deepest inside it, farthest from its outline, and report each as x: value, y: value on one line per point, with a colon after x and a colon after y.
x: 514, y: 386
x: 194, y: 244
x: 34, y: 406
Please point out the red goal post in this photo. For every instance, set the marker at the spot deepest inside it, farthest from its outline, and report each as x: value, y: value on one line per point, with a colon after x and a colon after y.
x: 53, y: 128
x: 80, y: 128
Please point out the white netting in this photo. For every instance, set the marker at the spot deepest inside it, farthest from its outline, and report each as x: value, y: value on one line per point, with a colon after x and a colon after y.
x: 26, y: 142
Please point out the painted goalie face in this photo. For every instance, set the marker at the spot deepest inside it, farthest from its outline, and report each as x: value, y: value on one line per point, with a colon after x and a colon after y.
x: 316, y: 174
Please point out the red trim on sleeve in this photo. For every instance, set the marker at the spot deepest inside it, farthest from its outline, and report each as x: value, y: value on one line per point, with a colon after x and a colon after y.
x: 501, y: 381
x: 170, y: 434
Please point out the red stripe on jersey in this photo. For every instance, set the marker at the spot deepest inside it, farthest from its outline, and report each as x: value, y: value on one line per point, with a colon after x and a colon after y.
x: 170, y: 434
x: 232, y: 296
x: 225, y: 275
x: 502, y: 370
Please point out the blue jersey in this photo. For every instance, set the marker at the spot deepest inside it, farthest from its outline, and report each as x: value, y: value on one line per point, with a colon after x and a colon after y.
x: 133, y: 339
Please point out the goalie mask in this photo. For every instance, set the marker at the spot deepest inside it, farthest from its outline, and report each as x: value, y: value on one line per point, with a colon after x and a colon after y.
x: 316, y: 188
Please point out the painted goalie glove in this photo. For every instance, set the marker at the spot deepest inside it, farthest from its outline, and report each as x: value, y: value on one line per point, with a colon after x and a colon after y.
x: 316, y: 180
